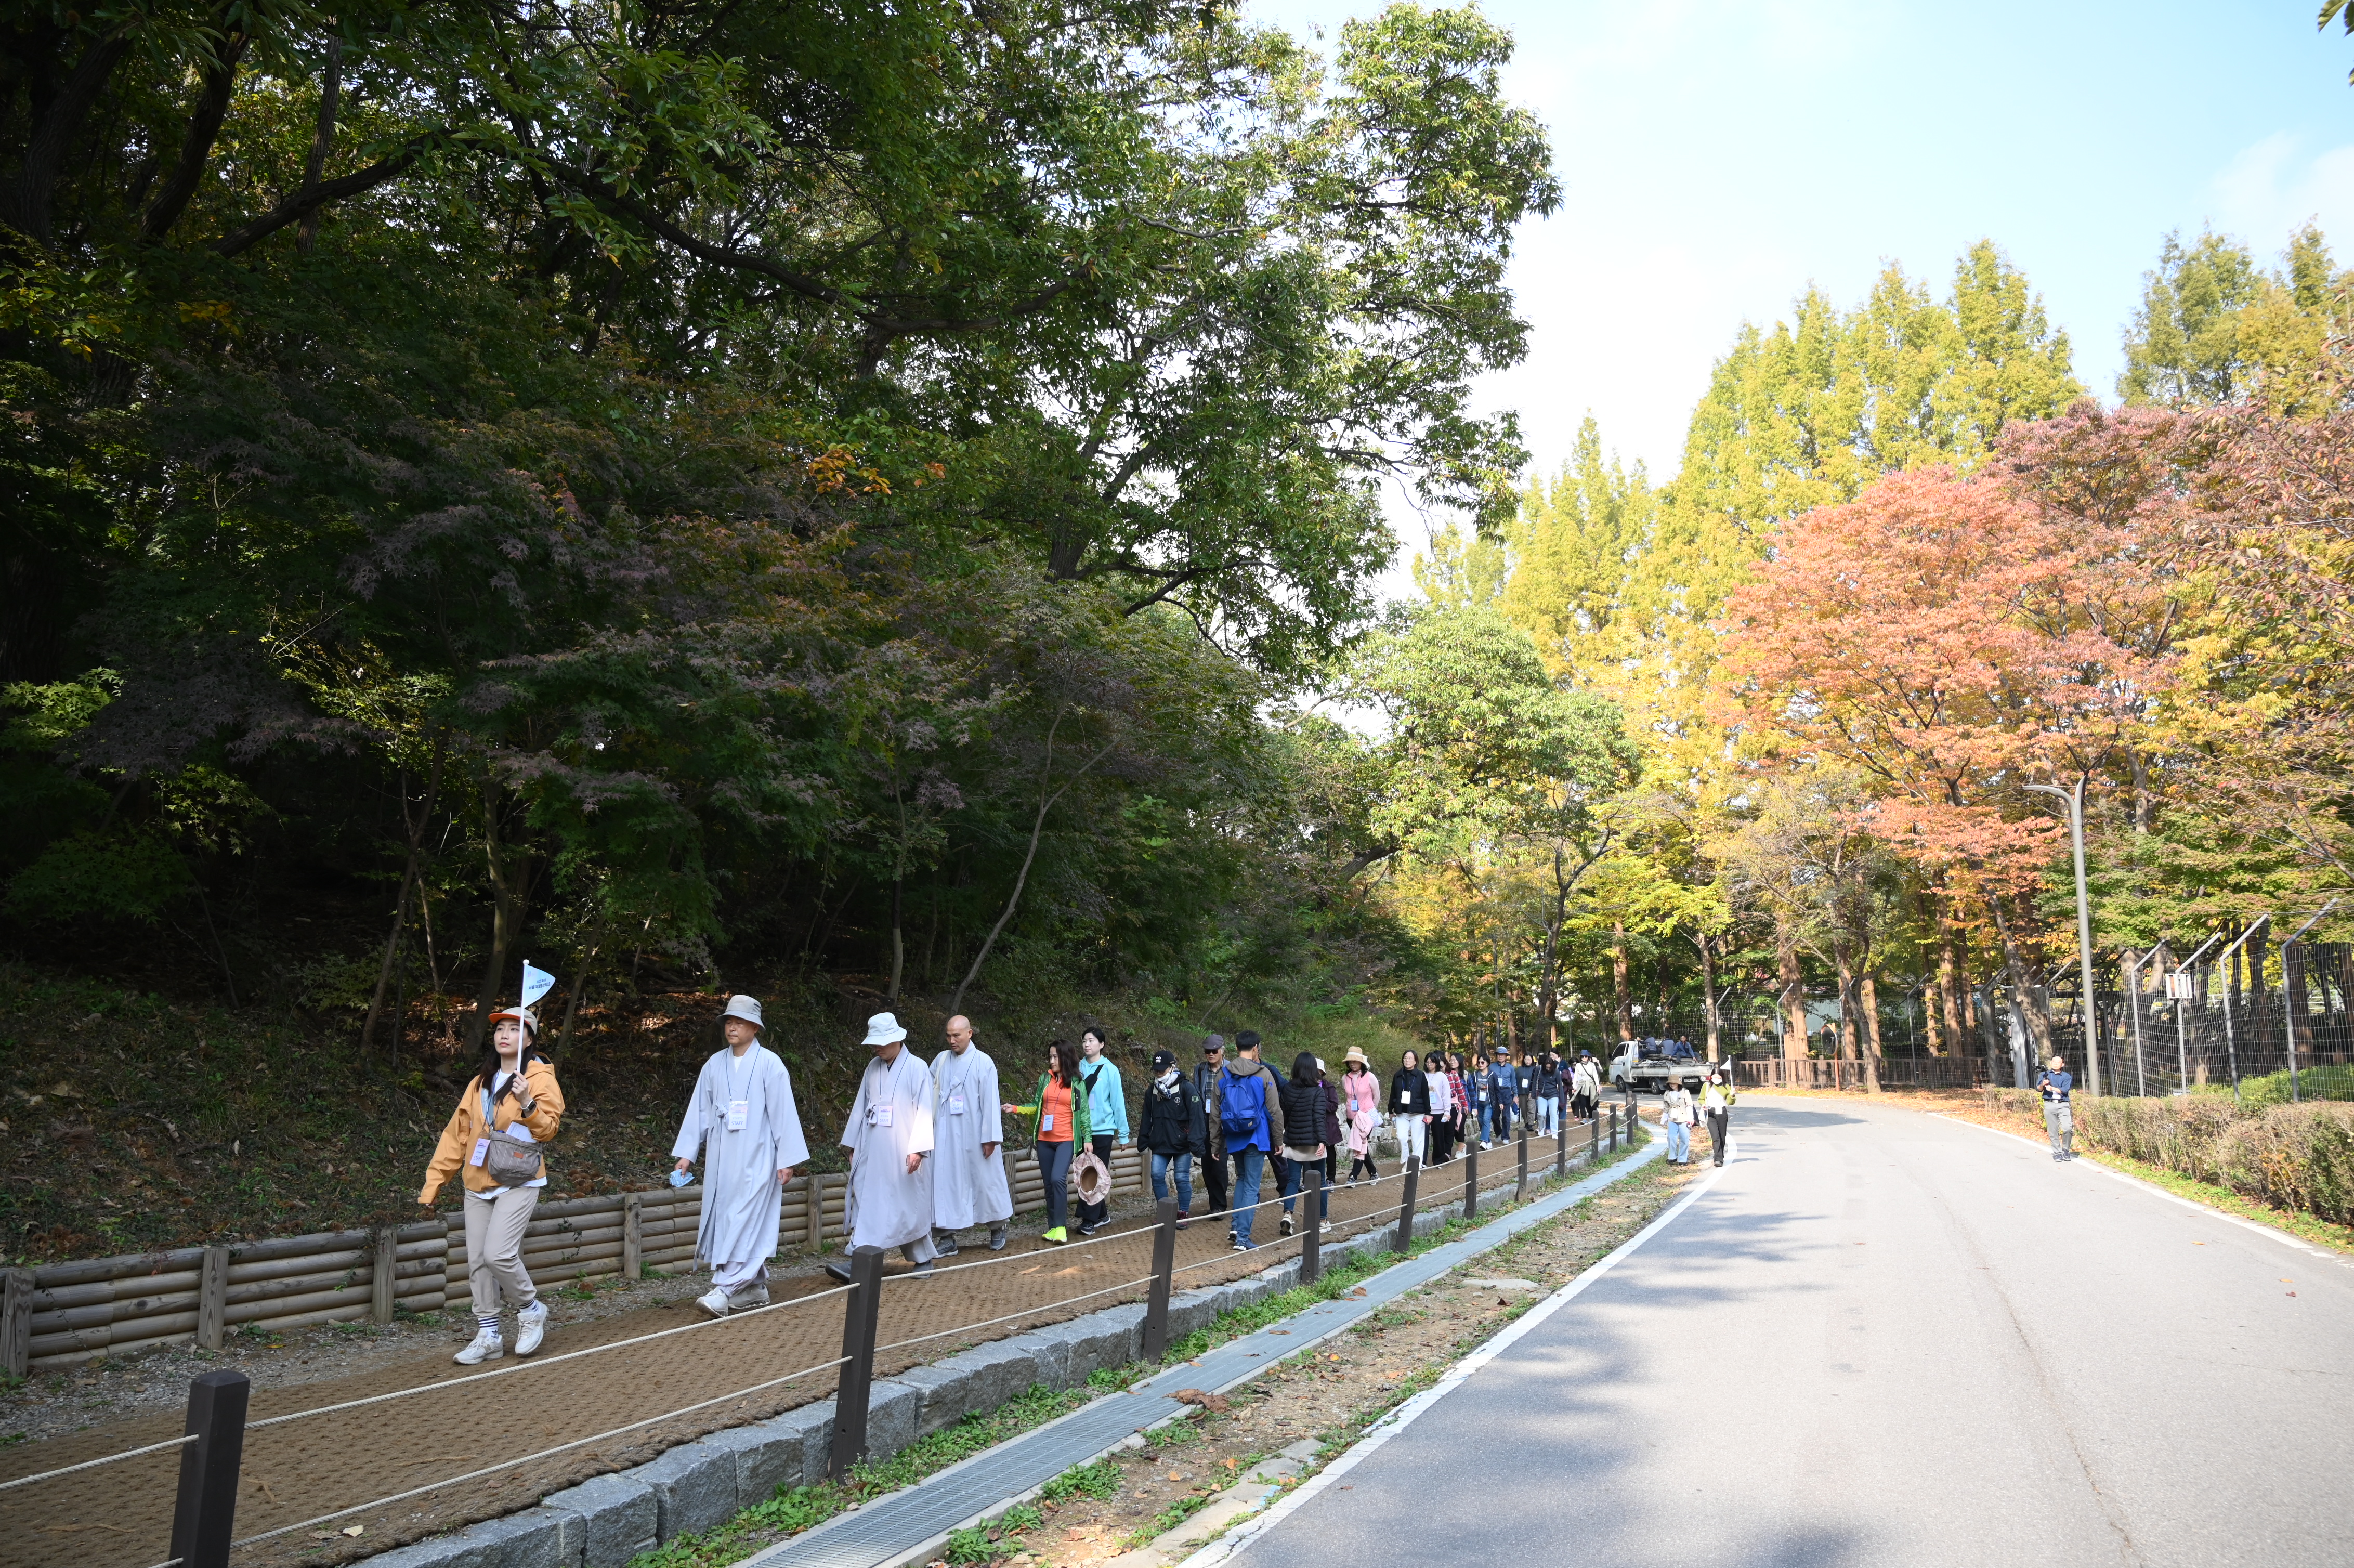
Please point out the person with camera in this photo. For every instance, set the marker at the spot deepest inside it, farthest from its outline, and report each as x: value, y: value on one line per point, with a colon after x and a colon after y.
x: 493, y: 1145
x: 2055, y: 1085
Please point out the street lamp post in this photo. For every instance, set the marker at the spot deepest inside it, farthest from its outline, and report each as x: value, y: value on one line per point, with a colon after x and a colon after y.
x: 2075, y: 799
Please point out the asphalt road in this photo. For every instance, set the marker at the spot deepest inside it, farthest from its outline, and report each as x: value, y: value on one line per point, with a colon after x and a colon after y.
x: 1886, y: 1338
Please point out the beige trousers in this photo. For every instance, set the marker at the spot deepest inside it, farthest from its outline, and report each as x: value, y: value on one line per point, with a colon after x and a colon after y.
x: 494, y: 1228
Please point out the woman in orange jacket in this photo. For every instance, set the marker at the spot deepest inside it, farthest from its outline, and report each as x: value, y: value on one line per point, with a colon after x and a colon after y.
x: 513, y: 1102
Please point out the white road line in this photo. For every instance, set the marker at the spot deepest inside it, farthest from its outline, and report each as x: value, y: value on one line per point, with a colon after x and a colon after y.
x: 1398, y: 1420
x: 2157, y: 1191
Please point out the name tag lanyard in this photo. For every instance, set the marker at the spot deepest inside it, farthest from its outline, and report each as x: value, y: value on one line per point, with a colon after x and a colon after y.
x: 489, y: 1114
x: 739, y: 1108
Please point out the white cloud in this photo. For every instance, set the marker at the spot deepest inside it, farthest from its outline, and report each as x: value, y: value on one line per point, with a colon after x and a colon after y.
x: 2270, y: 189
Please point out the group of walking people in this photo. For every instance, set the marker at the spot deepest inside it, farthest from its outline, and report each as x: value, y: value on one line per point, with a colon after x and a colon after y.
x: 927, y: 1144
x: 1233, y: 1117
x: 1438, y: 1105
x: 925, y: 1147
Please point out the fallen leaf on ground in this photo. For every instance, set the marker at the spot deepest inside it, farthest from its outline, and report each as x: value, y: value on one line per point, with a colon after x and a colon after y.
x: 355, y: 1530
x: 1216, y: 1405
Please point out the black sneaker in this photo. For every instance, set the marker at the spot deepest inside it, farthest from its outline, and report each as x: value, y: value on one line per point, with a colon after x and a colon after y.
x: 944, y: 1243
x: 840, y: 1271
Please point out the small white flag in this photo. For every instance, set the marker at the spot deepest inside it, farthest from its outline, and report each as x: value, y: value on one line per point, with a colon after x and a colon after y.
x: 535, y: 983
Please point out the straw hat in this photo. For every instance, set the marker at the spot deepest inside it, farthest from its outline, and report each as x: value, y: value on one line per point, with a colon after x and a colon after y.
x: 883, y: 1029
x: 1090, y: 1178
x: 1357, y: 1054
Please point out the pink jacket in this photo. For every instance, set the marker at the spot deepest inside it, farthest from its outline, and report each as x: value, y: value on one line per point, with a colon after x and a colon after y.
x: 1360, y: 1096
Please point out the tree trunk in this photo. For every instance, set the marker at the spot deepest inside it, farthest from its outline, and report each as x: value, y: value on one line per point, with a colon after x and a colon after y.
x: 1870, y: 995
x: 416, y: 835
x: 572, y: 1000
x: 2026, y: 995
x: 510, y: 888
x: 1619, y: 996
x: 898, y: 938
x: 1952, y: 979
x: 2293, y: 984
x: 1843, y: 960
x: 1932, y: 1021
x: 2259, y: 1023
x: 1793, y: 992
x: 1037, y: 826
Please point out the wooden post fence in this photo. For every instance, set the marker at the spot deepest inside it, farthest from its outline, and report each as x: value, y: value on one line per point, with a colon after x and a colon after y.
x: 1164, y: 1273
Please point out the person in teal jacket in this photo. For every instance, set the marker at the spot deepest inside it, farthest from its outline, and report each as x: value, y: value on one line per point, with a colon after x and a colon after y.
x: 1107, y: 1115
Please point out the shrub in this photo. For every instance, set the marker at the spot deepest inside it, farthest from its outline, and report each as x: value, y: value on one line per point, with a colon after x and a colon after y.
x: 2329, y: 1082
x: 2291, y: 1156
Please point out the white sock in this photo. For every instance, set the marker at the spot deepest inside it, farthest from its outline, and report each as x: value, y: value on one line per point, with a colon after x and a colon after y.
x: 490, y: 1322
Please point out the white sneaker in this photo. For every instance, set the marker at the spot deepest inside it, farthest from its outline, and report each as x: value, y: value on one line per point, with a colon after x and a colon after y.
x: 487, y: 1347
x: 745, y: 1297
x: 531, y: 1327
x: 714, y: 1301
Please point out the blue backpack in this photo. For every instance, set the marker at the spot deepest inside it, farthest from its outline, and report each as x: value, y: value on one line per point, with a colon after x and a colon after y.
x: 1242, y: 1106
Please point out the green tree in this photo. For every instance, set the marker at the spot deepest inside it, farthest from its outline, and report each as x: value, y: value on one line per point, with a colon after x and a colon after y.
x: 2214, y: 328
x: 1497, y: 775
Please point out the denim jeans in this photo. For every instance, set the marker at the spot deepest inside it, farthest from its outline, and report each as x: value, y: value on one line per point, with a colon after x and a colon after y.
x: 1292, y: 1177
x: 1183, y: 1165
x: 1248, y: 1163
x: 1549, y: 1116
x: 1679, y: 1139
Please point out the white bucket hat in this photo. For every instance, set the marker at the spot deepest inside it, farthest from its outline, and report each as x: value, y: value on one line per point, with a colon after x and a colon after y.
x: 882, y: 1029
x: 746, y: 1008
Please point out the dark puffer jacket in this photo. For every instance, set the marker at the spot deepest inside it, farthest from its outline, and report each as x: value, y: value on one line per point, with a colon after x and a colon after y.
x: 1174, y: 1120
x: 1303, y: 1114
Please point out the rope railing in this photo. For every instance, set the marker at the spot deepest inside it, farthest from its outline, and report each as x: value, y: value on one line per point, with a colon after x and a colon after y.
x: 1011, y: 1317
x: 93, y: 1464
x: 535, y: 1362
x: 217, y: 1426
x: 531, y: 1364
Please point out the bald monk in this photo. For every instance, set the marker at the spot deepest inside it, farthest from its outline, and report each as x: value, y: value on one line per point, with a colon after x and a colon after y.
x: 968, y: 1184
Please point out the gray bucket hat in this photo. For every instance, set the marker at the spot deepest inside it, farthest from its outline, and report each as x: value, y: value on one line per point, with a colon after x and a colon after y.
x: 746, y: 1008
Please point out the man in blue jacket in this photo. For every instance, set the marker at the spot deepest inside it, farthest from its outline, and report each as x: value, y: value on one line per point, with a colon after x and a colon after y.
x: 2058, y: 1115
x: 1244, y: 1112
x: 1503, y: 1091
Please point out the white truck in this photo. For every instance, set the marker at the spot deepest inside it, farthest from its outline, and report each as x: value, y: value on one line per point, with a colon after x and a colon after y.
x: 1648, y: 1067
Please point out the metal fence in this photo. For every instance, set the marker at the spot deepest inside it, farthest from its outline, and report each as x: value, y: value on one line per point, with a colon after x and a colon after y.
x: 2232, y: 1008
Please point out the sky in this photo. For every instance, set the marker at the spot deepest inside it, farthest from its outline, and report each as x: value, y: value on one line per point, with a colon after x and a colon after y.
x: 1716, y: 158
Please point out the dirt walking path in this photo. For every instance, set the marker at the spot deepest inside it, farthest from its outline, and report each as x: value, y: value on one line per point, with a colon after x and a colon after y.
x: 118, y: 1516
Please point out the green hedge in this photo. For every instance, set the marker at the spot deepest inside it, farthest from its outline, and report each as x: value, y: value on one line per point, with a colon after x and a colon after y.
x: 2290, y: 1156
x: 2325, y: 1083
